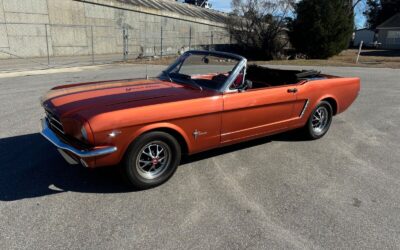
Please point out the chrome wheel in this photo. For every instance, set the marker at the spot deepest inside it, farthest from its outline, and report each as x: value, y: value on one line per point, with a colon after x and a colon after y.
x: 320, y: 120
x: 153, y: 160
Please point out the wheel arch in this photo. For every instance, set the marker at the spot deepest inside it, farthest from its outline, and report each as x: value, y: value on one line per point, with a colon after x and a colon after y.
x: 178, y: 136
x: 177, y: 132
x: 332, y: 101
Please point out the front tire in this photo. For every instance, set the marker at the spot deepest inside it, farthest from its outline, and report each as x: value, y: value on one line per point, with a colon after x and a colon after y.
x: 319, y: 121
x: 151, y: 160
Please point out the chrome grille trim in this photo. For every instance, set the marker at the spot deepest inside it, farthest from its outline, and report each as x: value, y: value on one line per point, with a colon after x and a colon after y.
x: 54, y: 122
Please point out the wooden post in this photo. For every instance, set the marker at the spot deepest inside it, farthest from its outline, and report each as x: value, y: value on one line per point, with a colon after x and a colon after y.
x: 359, y: 51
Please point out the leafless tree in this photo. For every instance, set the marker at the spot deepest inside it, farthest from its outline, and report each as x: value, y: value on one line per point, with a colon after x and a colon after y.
x: 353, y: 4
x: 259, y: 26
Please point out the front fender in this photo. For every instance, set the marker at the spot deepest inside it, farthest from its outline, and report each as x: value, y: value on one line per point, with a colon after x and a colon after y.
x: 125, y: 136
x: 161, y: 126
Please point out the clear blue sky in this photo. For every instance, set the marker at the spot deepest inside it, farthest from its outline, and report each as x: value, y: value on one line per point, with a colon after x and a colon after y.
x: 222, y: 5
x: 225, y: 5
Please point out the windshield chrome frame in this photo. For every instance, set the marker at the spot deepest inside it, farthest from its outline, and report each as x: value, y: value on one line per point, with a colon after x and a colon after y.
x: 235, y: 72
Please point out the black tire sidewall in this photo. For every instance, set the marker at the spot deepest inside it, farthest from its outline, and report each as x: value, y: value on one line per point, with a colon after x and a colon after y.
x: 309, y: 126
x: 134, y: 178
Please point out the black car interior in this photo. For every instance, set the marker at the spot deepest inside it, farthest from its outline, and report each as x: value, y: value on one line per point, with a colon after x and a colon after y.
x: 262, y: 77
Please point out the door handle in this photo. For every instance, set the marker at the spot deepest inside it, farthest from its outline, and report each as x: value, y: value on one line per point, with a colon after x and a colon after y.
x: 294, y: 90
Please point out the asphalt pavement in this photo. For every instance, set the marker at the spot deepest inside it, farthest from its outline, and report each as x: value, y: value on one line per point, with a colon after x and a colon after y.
x: 279, y: 192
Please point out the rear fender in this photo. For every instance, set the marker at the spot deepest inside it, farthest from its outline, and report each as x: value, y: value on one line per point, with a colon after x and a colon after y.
x: 329, y: 97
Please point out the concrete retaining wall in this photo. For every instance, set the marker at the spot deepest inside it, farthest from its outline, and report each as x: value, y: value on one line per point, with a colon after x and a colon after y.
x: 38, y: 28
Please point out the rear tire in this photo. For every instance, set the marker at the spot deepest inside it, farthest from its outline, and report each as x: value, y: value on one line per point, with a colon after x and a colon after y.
x: 319, y: 121
x: 151, y: 160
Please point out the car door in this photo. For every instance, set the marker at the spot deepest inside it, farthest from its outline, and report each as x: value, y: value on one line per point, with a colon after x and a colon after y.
x: 257, y: 112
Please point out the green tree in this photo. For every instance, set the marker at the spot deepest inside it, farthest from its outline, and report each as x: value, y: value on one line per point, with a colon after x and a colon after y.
x: 259, y: 27
x: 322, y: 28
x: 379, y: 11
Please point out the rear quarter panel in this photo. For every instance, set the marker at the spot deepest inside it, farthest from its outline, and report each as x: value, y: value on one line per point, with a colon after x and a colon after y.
x: 343, y: 90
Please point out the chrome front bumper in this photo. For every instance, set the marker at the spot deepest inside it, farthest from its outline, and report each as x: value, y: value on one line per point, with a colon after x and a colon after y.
x: 53, y: 138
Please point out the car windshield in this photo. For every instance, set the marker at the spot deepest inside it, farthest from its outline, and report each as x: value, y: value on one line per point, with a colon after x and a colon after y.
x: 202, y: 70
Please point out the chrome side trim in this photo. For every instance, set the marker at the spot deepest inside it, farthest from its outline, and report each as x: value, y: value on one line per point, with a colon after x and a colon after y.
x: 304, y: 108
x: 52, y: 137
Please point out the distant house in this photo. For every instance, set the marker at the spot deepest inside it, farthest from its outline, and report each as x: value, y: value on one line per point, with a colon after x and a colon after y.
x: 388, y: 33
x: 365, y: 35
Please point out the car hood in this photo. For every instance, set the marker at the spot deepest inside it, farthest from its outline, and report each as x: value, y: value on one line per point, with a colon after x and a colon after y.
x: 96, y: 97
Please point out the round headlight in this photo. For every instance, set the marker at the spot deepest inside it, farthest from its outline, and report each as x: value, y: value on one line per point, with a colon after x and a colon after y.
x: 84, y: 133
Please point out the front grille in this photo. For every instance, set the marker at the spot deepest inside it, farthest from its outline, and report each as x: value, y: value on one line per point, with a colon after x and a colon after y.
x: 57, y: 127
x: 54, y: 122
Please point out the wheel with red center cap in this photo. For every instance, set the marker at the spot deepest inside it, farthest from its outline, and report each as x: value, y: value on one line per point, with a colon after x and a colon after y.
x: 152, y: 159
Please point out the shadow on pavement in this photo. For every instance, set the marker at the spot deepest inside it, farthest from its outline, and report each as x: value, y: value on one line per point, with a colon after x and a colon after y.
x: 381, y: 53
x: 31, y: 167
x: 288, y: 136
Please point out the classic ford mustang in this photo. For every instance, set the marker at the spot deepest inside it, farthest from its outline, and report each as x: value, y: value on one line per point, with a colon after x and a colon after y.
x: 203, y: 100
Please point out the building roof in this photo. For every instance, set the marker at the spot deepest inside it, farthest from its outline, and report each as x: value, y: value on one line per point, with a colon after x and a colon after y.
x: 179, y: 8
x: 393, y: 22
x: 364, y: 29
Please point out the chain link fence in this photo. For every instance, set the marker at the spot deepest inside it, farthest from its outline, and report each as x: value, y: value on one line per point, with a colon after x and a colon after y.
x: 54, y: 45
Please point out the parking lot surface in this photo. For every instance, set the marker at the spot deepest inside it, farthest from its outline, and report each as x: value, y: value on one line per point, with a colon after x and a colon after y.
x: 342, y: 191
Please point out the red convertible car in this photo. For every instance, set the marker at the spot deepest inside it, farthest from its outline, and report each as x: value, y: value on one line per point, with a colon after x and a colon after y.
x: 203, y: 100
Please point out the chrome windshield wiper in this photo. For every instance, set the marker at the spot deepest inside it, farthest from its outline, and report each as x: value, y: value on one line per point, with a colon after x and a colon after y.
x: 167, y: 75
x: 191, y: 81
x: 182, y: 78
x: 195, y: 84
